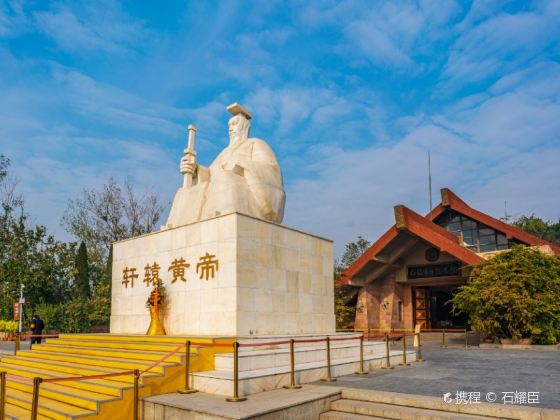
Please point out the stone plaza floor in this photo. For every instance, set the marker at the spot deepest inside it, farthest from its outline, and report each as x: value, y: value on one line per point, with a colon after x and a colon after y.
x: 473, y: 370
x: 7, y: 347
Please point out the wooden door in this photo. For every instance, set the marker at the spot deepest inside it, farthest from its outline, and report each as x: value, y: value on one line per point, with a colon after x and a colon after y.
x: 421, y: 304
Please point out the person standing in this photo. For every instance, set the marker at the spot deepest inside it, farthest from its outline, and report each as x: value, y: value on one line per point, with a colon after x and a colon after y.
x: 37, y: 326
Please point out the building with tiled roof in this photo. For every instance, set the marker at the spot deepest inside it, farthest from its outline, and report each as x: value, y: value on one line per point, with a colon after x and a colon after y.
x: 409, y: 274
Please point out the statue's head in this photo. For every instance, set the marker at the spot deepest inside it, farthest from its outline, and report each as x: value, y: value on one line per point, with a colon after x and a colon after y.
x: 238, y: 124
x: 238, y: 128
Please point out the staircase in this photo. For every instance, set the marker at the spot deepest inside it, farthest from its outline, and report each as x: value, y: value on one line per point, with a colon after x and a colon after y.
x: 97, y: 354
x: 359, y: 404
x: 267, y: 368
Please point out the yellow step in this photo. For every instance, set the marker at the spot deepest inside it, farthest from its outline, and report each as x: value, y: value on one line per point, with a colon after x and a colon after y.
x: 13, y: 412
x: 47, y: 407
x: 124, y: 364
x: 48, y: 372
x: 103, y: 352
x: 121, y: 381
x: 117, y: 345
x: 93, y: 354
x: 101, y: 386
x: 62, y: 369
x: 56, y: 391
x: 68, y: 396
x: 143, y: 338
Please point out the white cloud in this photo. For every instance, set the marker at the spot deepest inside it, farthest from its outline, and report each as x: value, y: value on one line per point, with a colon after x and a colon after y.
x: 392, y: 35
x: 497, y: 45
x: 522, y: 113
x: 113, y: 106
x: 55, y: 154
x: 386, y: 34
x: 13, y: 20
x: 343, y: 91
x: 304, y: 115
x: 489, y: 150
x: 102, y: 26
x: 376, y: 45
x: 48, y: 181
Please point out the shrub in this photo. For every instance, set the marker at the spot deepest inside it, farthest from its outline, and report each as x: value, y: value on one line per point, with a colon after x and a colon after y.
x: 9, y: 326
x: 515, y: 294
x: 100, y: 308
x: 52, y: 315
x: 77, y: 316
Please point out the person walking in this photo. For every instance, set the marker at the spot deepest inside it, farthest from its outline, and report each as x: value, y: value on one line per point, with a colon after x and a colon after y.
x: 37, y: 326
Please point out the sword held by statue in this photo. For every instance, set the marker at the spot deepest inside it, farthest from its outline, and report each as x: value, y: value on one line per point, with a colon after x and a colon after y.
x: 189, y: 157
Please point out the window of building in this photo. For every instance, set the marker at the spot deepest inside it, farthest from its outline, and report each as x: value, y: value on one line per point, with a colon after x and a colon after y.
x: 476, y: 236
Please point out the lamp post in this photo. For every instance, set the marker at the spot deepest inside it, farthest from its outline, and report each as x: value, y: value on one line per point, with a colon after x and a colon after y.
x: 21, y: 302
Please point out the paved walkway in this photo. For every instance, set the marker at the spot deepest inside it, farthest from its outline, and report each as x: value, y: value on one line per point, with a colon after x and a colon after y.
x: 7, y: 347
x: 473, y: 370
x: 179, y: 406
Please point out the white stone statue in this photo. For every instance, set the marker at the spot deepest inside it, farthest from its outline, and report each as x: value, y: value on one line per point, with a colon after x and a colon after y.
x: 244, y: 178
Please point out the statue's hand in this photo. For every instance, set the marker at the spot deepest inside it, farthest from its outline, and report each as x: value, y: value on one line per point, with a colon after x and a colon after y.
x: 188, y: 165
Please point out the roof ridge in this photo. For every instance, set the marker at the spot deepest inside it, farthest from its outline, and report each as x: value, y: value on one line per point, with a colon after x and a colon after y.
x: 419, y: 226
x: 451, y: 200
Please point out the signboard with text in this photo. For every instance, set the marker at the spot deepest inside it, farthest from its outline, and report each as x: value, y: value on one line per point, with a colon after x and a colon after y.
x: 16, y: 310
x: 435, y: 270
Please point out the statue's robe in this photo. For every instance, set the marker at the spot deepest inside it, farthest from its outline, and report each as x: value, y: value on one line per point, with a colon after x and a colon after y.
x: 244, y: 178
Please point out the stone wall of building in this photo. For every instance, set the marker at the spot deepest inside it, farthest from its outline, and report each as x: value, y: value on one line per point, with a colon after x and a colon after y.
x: 380, y: 297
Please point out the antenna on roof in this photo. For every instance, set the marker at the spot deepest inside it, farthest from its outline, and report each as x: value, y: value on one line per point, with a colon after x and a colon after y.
x: 506, y: 215
x: 430, y: 179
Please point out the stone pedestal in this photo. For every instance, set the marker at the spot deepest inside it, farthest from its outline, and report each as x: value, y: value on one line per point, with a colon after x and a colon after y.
x: 269, y: 280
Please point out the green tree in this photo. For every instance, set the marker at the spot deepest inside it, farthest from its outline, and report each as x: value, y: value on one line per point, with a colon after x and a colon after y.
x: 352, y: 251
x: 4, y: 163
x: 98, y: 218
x: 540, y: 228
x: 555, y: 231
x: 115, y: 212
x: 515, y: 294
x: 345, y: 313
x: 10, y: 201
x: 108, y: 274
x: 81, y: 282
x: 71, y: 316
x: 101, y: 303
x: 29, y: 256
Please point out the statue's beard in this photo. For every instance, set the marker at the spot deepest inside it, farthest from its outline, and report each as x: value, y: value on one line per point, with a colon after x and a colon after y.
x: 234, y: 138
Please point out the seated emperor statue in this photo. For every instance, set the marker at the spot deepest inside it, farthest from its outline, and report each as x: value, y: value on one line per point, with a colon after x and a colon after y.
x: 244, y: 178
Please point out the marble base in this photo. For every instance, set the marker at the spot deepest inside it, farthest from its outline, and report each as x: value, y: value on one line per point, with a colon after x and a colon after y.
x: 266, y: 369
x: 301, y: 404
x: 221, y: 383
x: 270, y: 279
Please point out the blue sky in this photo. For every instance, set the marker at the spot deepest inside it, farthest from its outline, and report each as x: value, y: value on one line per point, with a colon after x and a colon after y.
x: 350, y: 95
